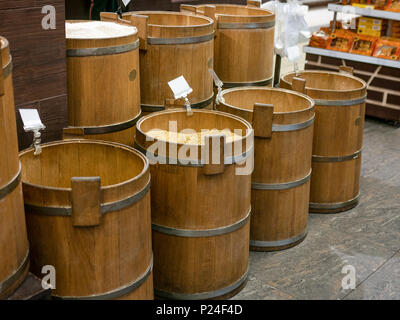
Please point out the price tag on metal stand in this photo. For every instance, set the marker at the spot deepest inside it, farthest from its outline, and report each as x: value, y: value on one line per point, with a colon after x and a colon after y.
x: 219, y: 84
x: 32, y: 122
x: 181, y: 89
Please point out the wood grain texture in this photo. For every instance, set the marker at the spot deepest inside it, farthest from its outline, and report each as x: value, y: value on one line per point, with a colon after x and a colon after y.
x: 13, y: 238
x: 39, y: 74
x: 184, y: 197
x: 104, y: 90
x: 98, y: 259
x: 242, y: 55
x: 338, y: 131
x: 160, y: 64
x: 280, y: 157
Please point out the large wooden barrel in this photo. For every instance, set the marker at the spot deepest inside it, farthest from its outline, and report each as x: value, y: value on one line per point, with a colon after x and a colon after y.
x: 338, y: 135
x: 283, y: 133
x: 103, y: 81
x: 14, y: 247
x: 87, y: 204
x: 243, y: 45
x: 174, y: 44
x: 200, y: 210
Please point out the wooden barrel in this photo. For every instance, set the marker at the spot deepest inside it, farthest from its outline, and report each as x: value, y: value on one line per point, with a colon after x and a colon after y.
x: 283, y: 133
x: 14, y: 247
x: 103, y: 81
x: 338, y: 134
x: 200, y: 209
x: 174, y: 44
x: 88, y: 215
x: 243, y: 45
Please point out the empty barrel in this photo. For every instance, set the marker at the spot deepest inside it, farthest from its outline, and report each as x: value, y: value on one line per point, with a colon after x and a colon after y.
x: 87, y: 206
x: 338, y: 135
x: 283, y: 133
x: 103, y: 81
x: 243, y: 45
x: 200, y: 201
x: 14, y: 247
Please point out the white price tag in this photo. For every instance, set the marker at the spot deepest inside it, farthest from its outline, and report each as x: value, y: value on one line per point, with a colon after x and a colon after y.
x: 180, y: 87
x: 31, y: 119
x: 293, y: 53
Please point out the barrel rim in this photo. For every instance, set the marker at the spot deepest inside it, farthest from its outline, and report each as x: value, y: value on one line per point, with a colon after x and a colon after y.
x: 87, y: 141
x: 158, y: 12
x: 311, y: 101
x: 155, y: 114
x: 270, y: 13
x: 364, y: 84
x: 135, y: 33
x: 3, y: 43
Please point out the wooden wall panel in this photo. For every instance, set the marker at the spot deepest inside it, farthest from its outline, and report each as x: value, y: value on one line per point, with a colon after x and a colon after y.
x: 39, y: 63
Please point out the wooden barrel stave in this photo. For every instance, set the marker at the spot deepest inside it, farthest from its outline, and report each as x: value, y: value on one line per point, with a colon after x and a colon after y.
x: 108, y: 254
x: 176, y: 44
x: 103, y: 87
x: 244, y: 32
x: 338, y: 138
x: 282, y: 165
x: 14, y: 247
x: 199, y: 253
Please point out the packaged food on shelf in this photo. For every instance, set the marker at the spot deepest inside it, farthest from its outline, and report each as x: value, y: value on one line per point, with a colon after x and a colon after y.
x: 387, y: 48
x: 341, y: 40
x: 363, y: 45
x: 393, y: 5
x: 319, y: 39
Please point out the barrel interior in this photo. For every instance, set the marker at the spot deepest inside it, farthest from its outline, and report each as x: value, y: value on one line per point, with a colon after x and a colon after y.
x: 172, y: 19
x: 327, y: 81
x: 235, y: 10
x: 283, y: 101
x: 200, y: 120
x: 58, y: 163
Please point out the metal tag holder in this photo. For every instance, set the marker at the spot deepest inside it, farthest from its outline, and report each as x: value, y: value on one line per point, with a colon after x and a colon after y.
x: 181, y: 89
x: 32, y: 123
x: 219, y: 84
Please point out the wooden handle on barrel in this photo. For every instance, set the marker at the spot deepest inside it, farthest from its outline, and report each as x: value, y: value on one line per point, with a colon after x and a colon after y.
x: 346, y: 69
x: 188, y: 8
x: 254, y: 3
x: 85, y: 198
x: 299, y: 85
x: 263, y: 115
x: 108, y: 16
x: 209, y: 11
x: 1, y: 76
x: 174, y: 104
x: 214, y: 145
x: 72, y: 133
x: 141, y: 23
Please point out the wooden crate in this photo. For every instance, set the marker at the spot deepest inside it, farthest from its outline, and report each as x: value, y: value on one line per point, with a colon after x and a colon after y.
x: 39, y: 63
x: 383, y: 84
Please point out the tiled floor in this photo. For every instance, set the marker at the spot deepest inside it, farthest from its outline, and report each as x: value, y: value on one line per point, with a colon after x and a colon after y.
x: 367, y: 237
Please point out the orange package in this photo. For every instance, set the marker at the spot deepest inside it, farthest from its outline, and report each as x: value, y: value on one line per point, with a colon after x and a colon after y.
x: 340, y: 41
x: 363, y: 45
x: 319, y: 39
x: 393, y: 5
x: 387, y: 49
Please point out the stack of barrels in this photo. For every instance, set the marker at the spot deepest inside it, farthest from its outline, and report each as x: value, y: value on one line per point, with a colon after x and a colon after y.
x: 242, y: 184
